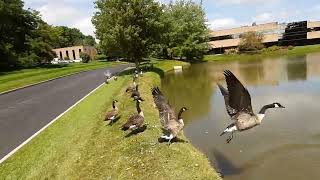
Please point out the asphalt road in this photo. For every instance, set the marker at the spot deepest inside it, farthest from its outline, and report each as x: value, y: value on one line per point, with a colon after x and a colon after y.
x: 25, y: 111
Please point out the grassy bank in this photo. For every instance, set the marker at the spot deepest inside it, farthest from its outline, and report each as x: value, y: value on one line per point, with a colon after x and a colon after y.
x: 15, y: 79
x: 299, y: 50
x: 81, y: 145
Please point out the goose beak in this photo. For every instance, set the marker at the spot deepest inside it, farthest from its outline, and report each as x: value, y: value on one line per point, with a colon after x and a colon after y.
x: 282, y: 107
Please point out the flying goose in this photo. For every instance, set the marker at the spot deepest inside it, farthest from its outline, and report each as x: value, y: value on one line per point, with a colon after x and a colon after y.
x: 135, y: 121
x: 112, y: 114
x: 170, y: 123
x: 238, y: 105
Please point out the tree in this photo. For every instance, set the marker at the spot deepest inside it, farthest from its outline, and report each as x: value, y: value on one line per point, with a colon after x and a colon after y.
x: 65, y: 37
x: 89, y: 41
x: 186, y: 32
x: 16, y: 24
x: 128, y: 26
x: 251, y: 41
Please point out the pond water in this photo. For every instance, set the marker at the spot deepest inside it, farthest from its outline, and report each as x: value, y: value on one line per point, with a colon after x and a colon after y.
x: 287, y: 143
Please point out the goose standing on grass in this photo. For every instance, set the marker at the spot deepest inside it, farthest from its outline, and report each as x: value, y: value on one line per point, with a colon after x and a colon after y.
x: 135, y: 121
x: 136, y: 74
x: 238, y: 105
x: 135, y: 93
x: 170, y: 123
x: 133, y: 86
x: 112, y: 114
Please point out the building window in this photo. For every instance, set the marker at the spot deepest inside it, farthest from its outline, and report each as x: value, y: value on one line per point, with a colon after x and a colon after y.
x: 74, y: 54
x: 67, y: 53
x: 61, y: 55
x: 79, y: 51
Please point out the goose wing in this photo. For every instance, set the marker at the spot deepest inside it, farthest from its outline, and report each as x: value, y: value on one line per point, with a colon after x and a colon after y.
x: 225, y: 94
x: 166, y: 113
x: 111, y: 113
x: 135, y: 120
x: 239, y: 97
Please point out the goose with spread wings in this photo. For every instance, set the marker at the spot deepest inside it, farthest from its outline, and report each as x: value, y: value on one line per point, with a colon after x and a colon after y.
x: 170, y: 123
x: 238, y: 105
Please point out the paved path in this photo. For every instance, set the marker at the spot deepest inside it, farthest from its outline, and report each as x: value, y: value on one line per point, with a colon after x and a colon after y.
x: 25, y: 111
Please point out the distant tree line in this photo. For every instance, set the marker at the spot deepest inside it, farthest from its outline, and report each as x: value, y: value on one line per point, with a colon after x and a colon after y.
x: 137, y: 29
x: 26, y: 40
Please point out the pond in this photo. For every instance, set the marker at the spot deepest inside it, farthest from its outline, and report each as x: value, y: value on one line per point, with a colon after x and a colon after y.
x: 287, y: 143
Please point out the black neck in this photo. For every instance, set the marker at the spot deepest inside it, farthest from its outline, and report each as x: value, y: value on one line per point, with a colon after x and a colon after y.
x: 137, y: 87
x: 180, y: 114
x: 138, y: 106
x: 113, y: 104
x: 264, y: 108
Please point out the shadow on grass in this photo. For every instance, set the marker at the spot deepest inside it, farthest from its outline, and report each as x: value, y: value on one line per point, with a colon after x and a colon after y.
x: 114, y: 121
x: 174, y: 140
x: 137, y: 131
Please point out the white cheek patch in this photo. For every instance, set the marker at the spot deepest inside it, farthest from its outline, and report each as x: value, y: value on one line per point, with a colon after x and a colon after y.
x: 276, y: 105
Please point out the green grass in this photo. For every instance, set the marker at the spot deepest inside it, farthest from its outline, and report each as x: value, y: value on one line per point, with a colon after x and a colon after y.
x: 16, y: 79
x: 299, y: 50
x: 80, y: 145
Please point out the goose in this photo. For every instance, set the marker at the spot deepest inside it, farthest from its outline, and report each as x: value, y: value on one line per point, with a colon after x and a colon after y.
x: 170, y: 123
x: 135, y: 121
x: 238, y: 105
x: 107, y: 75
x: 135, y: 93
x: 136, y: 74
x: 133, y: 86
x: 112, y: 114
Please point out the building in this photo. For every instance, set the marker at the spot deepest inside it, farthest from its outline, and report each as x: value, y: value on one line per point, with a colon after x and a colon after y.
x: 282, y: 34
x: 73, y: 53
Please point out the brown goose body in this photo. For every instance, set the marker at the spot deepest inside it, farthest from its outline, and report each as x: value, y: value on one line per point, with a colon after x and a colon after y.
x: 135, y: 121
x: 135, y: 93
x: 170, y: 123
x: 112, y: 114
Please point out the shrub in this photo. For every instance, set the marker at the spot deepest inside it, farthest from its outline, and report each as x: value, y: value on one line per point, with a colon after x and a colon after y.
x: 290, y: 47
x: 231, y: 51
x: 27, y: 61
x: 274, y: 48
x: 85, y: 57
x: 66, y: 58
x: 251, y: 41
x: 101, y: 57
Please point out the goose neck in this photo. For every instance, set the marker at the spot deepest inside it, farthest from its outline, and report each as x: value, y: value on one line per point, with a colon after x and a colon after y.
x: 264, y: 108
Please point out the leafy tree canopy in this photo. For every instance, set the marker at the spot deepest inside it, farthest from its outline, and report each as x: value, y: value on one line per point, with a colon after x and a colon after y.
x: 26, y: 40
x: 186, y: 31
x: 128, y: 28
